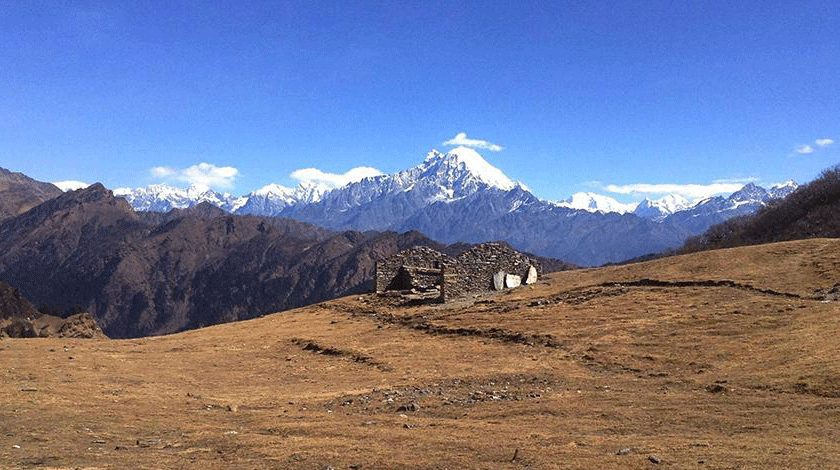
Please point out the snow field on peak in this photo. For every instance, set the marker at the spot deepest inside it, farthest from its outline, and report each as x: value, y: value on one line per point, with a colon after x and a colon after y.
x: 478, y: 167
x: 593, y: 202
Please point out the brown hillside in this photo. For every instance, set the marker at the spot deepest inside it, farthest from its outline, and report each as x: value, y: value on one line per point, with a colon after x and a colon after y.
x: 19, y: 193
x: 717, y: 360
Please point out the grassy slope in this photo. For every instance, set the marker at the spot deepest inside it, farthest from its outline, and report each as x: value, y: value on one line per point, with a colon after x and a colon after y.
x: 567, y: 372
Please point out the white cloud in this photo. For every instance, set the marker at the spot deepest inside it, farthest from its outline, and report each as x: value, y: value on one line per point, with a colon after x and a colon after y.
x: 823, y: 142
x: 70, y: 185
x: 334, y: 180
x: 203, y: 174
x: 750, y: 179
x: 690, y: 191
x: 804, y: 149
x: 461, y: 139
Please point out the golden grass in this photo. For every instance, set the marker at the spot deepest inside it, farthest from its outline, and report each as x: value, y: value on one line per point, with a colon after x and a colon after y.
x: 561, y: 375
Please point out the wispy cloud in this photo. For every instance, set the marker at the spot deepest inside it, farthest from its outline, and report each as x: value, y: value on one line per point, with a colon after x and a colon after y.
x: 804, y: 149
x: 70, y: 185
x: 203, y: 174
x: 334, y: 180
x: 691, y: 191
x: 751, y: 179
x: 461, y: 139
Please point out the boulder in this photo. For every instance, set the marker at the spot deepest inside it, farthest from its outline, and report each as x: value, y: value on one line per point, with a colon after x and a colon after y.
x: 532, y: 275
x: 499, y: 280
x: 512, y: 280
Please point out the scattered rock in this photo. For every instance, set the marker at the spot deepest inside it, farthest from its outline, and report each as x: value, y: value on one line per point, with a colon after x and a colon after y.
x: 828, y: 295
x: 409, y: 407
x: 148, y: 442
x: 654, y: 458
x: 715, y: 388
x: 81, y: 325
x: 624, y: 451
x: 233, y: 408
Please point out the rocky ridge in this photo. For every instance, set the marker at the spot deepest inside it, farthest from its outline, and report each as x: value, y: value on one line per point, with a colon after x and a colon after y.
x: 19, y: 193
x: 20, y: 319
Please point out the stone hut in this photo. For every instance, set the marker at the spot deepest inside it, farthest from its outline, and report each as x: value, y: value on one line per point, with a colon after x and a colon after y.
x: 489, y: 266
x: 482, y: 268
x: 419, y: 267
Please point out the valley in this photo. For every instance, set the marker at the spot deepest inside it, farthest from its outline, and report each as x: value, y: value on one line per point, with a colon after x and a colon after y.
x: 721, y: 360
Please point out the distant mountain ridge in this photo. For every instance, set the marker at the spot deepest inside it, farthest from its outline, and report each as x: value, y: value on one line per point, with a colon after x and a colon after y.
x: 713, y: 210
x: 164, y: 198
x: 458, y: 196
x: 811, y: 211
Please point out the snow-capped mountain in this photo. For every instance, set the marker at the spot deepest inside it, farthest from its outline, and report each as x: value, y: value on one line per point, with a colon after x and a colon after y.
x: 702, y: 215
x: 386, y: 201
x: 273, y: 198
x: 592, y: 202
x: 459, y: 172
x: 163, y: 198
x: 658, y: 209
x: 459, y: 196
x: 441, y: 177
x: 781, y: 190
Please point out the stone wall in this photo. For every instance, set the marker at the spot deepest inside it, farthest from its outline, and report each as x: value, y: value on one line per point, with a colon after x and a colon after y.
x: 474, y: 269
x: 471, y: 272
x: 419, y: 262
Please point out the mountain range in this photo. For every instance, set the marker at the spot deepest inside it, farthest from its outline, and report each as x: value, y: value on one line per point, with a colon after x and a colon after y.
x: 457, y: 196
x: 142, y: 273
x: 212, y: 258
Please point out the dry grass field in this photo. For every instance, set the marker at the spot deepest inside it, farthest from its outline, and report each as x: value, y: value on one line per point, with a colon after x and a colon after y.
x: 719, y: 360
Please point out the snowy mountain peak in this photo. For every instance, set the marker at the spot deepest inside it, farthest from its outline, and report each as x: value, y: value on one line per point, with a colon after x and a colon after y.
x: 785, y: 184
x: 750, y: 192
x: 593, y: 202
x: 783, y: 189
x: 273, y: 189
x: 272, y: 198
x: 304, y: 192
x: 163, y: 197
x: 658, y: 209
x: 462, y: 165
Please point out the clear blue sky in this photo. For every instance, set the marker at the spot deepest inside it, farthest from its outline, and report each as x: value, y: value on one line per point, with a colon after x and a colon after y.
x: 615, y: 92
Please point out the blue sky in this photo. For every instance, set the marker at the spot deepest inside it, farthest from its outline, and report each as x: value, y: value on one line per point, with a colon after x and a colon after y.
x: 580, y: 97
